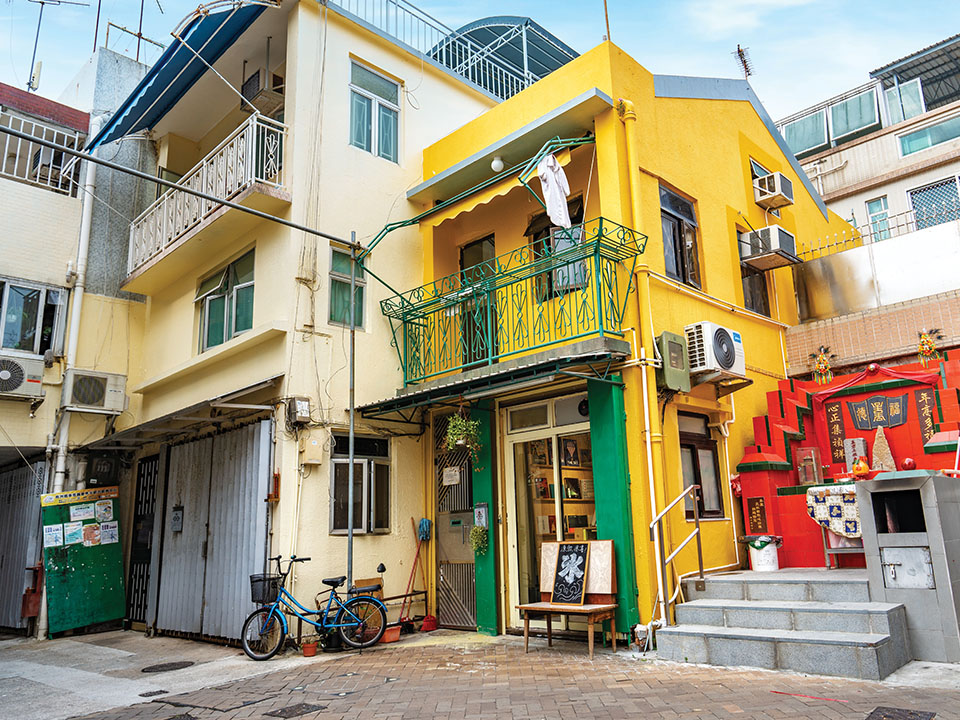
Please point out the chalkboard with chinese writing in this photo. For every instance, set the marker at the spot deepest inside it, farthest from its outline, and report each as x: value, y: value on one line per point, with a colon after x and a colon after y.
x: 756, y: 516
x: 570, y: 580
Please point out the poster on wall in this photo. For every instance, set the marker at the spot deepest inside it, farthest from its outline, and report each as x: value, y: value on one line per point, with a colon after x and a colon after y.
x: 91, y: 535
x: 52, y: 535
x: 72, y: 533
x: 109, y: 533
x: 82, y: 512
x: 104, y: 510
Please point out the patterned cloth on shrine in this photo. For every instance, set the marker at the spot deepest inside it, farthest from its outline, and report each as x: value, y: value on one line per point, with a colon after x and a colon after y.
x: 835, y: 508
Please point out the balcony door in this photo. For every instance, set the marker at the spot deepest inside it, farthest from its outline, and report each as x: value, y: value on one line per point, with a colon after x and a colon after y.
x: 477, y: 308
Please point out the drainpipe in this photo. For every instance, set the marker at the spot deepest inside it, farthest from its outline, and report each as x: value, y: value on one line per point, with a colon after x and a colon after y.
x: 76, y: 306
x: 651, y: 417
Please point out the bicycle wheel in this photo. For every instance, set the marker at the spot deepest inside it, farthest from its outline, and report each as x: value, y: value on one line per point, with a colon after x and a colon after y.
x: 263, y: 634
x: 362, y: 622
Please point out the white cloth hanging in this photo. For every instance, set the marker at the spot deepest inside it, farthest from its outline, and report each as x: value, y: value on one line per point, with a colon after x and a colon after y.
x: 553, y: 182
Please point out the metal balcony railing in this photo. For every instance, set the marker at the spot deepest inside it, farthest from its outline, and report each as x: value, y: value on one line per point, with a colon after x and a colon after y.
x: 883, y: 228
x: 35, y: 164
x: 253, y: 153
x: 536, y: 296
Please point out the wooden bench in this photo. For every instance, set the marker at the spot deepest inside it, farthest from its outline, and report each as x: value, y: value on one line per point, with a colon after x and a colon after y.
x: 599, y: 603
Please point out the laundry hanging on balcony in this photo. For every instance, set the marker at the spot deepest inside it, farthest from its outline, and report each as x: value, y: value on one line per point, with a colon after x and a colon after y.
x: 555, y: 187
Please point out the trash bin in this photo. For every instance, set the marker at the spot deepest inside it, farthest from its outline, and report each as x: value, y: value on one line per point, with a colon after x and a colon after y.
x: 763, y: 553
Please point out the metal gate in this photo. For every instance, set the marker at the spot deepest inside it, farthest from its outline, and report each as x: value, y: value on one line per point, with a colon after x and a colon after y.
x: 20, y: 490
x: 138, y: 577
x: 456, y: 583
x: 216, y: 533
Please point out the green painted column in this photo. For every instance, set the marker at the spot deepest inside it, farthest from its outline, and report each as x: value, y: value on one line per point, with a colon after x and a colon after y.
x: 485, y: 566
x: 611, y: 483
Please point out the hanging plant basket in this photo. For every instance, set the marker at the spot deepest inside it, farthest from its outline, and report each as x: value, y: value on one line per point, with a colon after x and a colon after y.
x: 478, y: 539
x: 462, y: 432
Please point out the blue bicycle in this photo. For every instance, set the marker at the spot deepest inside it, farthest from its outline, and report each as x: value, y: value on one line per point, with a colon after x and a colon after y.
x: 360, y: 621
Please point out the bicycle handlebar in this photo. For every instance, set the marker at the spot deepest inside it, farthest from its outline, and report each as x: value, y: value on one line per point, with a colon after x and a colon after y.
x: 294, y: 558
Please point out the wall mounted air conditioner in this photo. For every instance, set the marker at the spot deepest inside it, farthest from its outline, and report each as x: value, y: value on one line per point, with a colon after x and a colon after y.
x: 768, y: 248
x: 96, y: 392
x: 263, y: 90
x: 713, y: 348
x: 773, y: 191
x: 20, y: 377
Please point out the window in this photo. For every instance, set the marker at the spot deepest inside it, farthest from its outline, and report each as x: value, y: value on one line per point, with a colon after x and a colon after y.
x: 340, y: 262
x: 877, y: 214
x: 698, y: 458
x: 758, y: 171
x: 755, y: 295
x: 546, y: 239
x: 930, y: 136
x: 904, y: 101
x: 371, y: 485
x: 32, y: 318
x: 374, y: 112
x: 226, y: 303
x: 935, y: 204
x: 854, y: 115
x: 680, y: 252
x: 807, y: 133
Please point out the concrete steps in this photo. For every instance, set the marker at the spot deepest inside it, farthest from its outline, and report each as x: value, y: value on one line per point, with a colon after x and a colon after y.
x: 814, y: 622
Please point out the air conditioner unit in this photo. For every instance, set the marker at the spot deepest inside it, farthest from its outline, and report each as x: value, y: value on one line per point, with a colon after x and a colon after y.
x: 20, y: 377
x: 263, y: 90
x: 96, y: 392
x: 773, y: 191
x: 768, y: 248
x: 713, y: 348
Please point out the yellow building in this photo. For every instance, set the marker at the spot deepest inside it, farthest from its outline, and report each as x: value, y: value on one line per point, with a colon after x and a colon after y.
x: 552, y: 338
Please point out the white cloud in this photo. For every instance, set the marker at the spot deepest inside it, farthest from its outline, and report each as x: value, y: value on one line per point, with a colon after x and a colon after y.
x: 713, y: 17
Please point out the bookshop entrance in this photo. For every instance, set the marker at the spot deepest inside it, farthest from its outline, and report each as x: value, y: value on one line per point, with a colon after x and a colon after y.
x: 549, y: 487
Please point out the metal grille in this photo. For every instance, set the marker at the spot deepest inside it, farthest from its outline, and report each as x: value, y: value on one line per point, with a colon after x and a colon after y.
x: 456, y: 595
x: 451, y: 498
x: 148, y: 470
x: 19, y: 537
x: 935, y: 204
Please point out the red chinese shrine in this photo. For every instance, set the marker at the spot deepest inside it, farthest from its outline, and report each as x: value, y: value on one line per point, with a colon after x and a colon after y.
x: 809, y: 442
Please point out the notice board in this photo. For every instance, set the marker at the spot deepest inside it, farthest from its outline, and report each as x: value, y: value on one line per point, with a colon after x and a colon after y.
x: 82, y: 557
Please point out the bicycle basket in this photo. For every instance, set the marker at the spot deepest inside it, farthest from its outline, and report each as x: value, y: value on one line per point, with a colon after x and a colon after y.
x: 264, y: 588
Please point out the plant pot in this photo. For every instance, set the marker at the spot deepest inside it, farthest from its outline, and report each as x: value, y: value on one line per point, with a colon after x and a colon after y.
x: 309, y: 649
x: 391, y: 634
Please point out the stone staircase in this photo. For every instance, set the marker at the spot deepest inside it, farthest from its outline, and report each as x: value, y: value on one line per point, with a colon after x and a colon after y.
x: 807, y: 620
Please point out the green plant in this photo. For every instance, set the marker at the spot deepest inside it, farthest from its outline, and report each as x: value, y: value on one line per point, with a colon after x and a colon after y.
x: 464, y: 432
x: 478, y: 539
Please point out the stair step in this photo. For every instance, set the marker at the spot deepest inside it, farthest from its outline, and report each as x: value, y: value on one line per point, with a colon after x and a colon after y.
x: 869, y: 656
x: 802, y: 615
x: 804, y: 584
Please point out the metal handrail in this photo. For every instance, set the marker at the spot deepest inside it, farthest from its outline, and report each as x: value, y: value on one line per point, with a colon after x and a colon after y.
x: 656, y: 525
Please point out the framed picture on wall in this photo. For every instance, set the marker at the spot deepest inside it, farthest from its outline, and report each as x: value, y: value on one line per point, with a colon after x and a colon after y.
x: 542, y: 486
x: 570, y: 452
x: 538, y: 452
x: 571, y: 488
x: 586, y: 453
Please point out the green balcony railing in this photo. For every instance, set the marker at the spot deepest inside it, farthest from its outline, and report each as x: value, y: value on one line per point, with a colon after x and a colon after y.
x: 570, y: 286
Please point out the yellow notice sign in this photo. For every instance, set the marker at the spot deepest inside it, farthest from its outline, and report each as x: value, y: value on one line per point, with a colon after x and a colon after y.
x: 75, y: 496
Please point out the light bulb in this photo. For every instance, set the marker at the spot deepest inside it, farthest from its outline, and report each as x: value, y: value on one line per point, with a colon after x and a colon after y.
x: 497, y: 164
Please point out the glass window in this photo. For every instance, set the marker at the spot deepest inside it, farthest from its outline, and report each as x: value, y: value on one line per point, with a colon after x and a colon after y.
x: 30, y: 318
x: 935, y: 204
x: 340, y: 262
x: 904, y: 101
x: 680, y: 252
x: 226, y: 302
x: 807, y: 133
x: 524, y: 418
x: 340, y: 499
x: 699, y: 464
x: 374, y: 113
x: 877, y: 214
x: 371, y: 485
x: 758, y: 171
x: 755, y: 296
x: 930, y: 136
x: 854, y: 114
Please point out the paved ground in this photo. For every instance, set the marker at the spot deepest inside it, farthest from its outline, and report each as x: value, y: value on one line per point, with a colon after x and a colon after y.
x: 447, y: 675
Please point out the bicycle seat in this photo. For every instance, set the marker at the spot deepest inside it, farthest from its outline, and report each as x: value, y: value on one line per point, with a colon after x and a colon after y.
x: 335, y: 582
x: 364, y: 590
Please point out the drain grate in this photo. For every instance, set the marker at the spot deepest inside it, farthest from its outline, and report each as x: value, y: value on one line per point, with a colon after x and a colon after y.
x: 167, y: 667
x: 292, y: 711
x: 889, y: 713
x: 154, y: 693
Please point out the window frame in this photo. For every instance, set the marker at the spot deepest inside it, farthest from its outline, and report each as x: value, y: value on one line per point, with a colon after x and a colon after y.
x: 360, y: 284
x: 758, y: 171
x: 927, y: 126
x: 875, y: 233
x: 368, y: 505
x: 748, y: 272
x: 813, y: 148
x: 228, y: 291
x: 59, y: 319
x: 376, y: 101
x: 898, y: 90
x: 683, y: 224
x: 696, y: 442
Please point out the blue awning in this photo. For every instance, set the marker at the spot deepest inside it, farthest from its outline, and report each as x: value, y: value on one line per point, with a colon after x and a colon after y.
x: 210, y: 35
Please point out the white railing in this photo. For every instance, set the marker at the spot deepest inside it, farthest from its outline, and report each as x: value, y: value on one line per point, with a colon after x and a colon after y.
x: 427, y: 35
x: 253, y: 153
x: 881, y: 229
x: 35, y: 164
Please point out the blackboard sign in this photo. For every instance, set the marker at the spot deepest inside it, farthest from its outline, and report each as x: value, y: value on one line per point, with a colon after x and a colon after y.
x: 570, y: 579
x: 756, y: 516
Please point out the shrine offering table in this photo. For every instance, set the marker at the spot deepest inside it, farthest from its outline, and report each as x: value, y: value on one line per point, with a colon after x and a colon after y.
x: 594, y: 613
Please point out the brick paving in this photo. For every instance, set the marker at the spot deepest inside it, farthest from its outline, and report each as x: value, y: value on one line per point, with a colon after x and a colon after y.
x: 466, y: 678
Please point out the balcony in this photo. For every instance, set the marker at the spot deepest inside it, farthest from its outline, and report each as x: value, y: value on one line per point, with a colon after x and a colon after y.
x: 517, y: 303
x: 36, y: 164
x: 247, y: 168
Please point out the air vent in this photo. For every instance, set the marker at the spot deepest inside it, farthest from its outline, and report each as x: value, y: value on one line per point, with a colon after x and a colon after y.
x: 89, y: 390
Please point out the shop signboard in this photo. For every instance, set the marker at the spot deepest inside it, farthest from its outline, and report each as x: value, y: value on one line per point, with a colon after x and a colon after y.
x: 878, y: 411
x: 83, y: 558
x: 570, y: 579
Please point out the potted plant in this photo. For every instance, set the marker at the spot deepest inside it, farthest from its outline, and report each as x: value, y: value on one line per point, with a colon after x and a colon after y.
x: 464, y: 432
x: 478, y: 539
x: 309, y: 645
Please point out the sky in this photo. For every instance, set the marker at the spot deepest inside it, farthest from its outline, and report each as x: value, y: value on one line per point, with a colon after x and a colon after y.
x: 802, y: 51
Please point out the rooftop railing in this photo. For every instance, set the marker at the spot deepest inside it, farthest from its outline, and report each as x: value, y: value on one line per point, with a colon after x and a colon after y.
x: 253, y: 153
x: 36, y: 164
x: 539, y: 295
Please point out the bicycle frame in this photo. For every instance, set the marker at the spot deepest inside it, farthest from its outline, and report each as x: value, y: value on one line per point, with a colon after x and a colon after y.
x: 290, y: 603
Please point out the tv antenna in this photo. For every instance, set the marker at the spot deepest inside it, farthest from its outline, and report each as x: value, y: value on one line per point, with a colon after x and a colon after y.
x: 743, y: 59
x: 34, y: 80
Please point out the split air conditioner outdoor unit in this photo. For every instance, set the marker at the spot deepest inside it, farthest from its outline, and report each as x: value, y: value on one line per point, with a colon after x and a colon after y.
x: 96, y: 392
x: 20, y: 377
x: 768, y: 248
x: 264, y: 90
x: 713, y: 348
x: 773, y: 191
